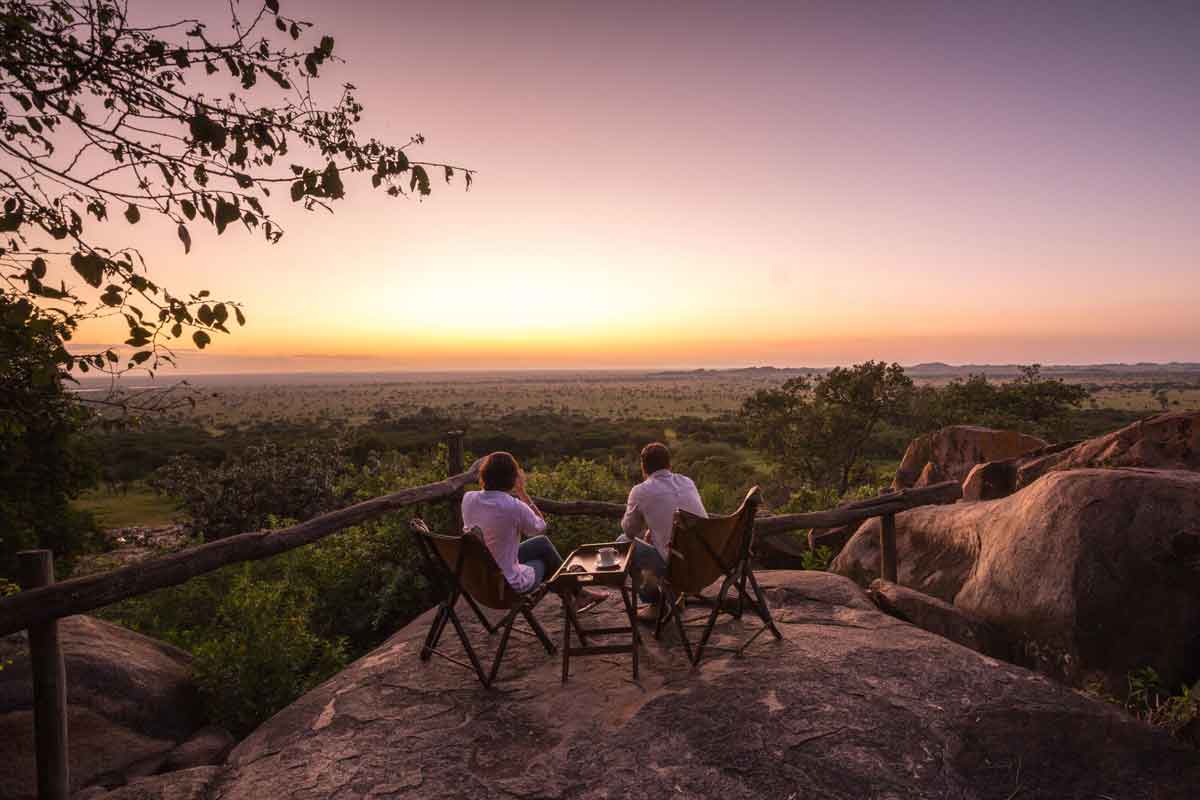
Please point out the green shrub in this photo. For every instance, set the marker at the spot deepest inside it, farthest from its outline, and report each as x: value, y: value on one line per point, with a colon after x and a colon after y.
x: 1149, y: 700
x: 723, y: 473
x: 263, y: 633
x: 579, y: 479
x: 818, y: 560
x: 240, y: 494
x: 262, y: 653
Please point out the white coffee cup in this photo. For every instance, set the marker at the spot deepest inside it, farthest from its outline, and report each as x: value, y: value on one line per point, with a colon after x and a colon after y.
x: 606, y: 556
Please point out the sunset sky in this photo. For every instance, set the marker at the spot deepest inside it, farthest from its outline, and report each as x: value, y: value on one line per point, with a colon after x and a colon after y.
x: 722, y: 184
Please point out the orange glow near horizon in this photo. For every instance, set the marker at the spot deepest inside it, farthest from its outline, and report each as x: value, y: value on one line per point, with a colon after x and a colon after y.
x: 698, y: 184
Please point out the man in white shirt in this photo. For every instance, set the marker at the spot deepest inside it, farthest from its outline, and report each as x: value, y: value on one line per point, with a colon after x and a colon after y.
x: 650, y: 514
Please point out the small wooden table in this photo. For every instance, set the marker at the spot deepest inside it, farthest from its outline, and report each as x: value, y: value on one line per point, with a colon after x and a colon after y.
x: 580, y: 570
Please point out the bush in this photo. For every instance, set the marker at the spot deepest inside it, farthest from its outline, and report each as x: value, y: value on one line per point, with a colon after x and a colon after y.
x: 42, y: 467
x: 263, y: 633
x: 1149, y: 700
x: 723, y: 473
x: 579, y: 479
x: 262, y: 654
x: 818, y: 560
x: 242, y: 493
x: 249, y: 629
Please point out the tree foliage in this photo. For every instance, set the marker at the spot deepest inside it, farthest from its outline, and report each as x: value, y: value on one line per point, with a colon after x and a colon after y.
x: 41, y: 466
x: 103, y: 120
x: 1031, y: 403
x: 245, y: 491
x: 818, y: 428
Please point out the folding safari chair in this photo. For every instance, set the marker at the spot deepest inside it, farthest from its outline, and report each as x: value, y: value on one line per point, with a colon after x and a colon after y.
x: 462, y: 566
x: 704, y: 549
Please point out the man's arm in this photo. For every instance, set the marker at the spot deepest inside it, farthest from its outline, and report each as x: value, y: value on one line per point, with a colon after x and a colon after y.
x: 633, y: 524
x: 693, y: 502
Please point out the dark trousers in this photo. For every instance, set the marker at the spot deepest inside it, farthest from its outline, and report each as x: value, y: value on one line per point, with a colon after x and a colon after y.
x: 539, y: 553
x: 646, y: 557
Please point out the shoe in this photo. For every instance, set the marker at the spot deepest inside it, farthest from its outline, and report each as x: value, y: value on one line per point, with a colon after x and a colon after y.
x: 648, y: 614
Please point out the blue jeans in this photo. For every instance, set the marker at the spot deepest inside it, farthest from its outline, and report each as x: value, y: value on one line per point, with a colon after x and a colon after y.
x: 646, y: 557
x: 539, y: 553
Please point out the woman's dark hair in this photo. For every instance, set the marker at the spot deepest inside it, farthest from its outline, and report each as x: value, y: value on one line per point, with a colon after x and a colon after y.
x: 655, y: 456
x: 499, y: 472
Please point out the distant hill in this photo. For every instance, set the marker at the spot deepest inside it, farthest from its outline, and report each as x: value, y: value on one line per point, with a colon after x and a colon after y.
x: 939, y: 369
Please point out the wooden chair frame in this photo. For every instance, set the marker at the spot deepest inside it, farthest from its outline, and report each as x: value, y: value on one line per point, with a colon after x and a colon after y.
x: 738, y: 575
x: 447, y: 580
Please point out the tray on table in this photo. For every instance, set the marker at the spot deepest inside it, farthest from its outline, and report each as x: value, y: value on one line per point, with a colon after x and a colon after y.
x: 587, y: 557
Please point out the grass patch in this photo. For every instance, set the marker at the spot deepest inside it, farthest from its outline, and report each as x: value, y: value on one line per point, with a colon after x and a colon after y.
x: 139, y: 506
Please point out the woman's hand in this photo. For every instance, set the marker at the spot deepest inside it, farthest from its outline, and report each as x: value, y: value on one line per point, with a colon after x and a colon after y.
x: 519, y: 491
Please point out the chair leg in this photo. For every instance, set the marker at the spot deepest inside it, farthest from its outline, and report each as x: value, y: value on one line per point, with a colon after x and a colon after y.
x: 527, y: 612
x: 466, y: 643
x: 677, y: 612
x: 741, y: 587
x: 566, y: 645
x: 435, y: 633
x: 505, y: 627
x: 488, y: 625
x: 662, y: 606
x: 712, y: 619
x: 764, y: 610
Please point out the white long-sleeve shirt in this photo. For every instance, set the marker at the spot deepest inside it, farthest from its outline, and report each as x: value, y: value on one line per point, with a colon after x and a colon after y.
x: 504, y: 520
x: 652, y: 505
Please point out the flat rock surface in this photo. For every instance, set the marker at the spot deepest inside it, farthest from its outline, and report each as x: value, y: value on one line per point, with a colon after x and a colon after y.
x: 852, y: 704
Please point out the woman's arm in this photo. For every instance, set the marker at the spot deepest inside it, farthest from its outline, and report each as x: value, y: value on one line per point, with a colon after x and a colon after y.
x: 530, y: 522
x: 521, y: 494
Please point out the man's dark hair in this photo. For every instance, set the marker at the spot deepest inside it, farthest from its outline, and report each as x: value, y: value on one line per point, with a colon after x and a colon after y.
x: 499, y: 472
x: 655, y: 456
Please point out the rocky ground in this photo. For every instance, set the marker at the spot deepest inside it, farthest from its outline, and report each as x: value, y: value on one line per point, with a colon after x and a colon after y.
x: 852, y: 704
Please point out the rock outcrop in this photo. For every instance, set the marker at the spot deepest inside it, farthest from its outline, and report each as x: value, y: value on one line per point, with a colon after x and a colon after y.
x: 1165, y: 441
x: 937, y: 616
x: 1086, y: 571
x: 130, y: 701
x: 950, y: 453
x: 852, y: 703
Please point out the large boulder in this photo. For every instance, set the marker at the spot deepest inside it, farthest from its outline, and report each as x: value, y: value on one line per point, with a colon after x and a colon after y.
x: 207, y: 746
x: 1087, y: 573
x: 950, y: 453
x: 851, y: 703
x: 130, y: 701
x: 1164, y: 441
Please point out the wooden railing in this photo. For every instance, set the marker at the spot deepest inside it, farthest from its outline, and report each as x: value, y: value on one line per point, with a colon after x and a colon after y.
x: 43, y: 601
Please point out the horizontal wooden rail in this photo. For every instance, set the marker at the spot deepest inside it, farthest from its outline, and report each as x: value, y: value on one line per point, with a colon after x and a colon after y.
x: 849, y: 514
x: 580, y: 508
x: 862, y: 510
x: 75, y: 596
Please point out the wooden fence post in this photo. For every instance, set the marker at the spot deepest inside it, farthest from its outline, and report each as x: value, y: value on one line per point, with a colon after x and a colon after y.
x: 454, y: 465
x: 887, y: 543
x: 887, y: 547
x: 49, y: 685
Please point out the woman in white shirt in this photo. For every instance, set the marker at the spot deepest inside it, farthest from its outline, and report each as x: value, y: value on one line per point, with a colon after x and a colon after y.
x: 505, y: 513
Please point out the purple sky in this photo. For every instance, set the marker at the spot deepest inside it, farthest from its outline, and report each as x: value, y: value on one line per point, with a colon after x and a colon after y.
x: 699, y: 184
